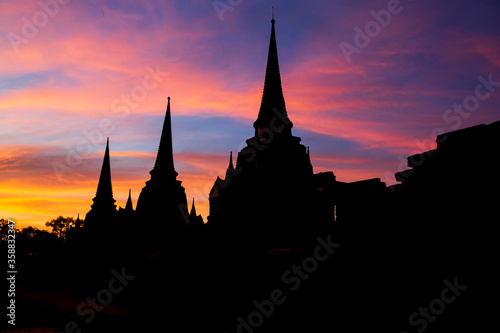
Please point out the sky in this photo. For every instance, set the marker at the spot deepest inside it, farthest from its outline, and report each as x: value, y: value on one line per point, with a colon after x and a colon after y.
x: 366, y: 83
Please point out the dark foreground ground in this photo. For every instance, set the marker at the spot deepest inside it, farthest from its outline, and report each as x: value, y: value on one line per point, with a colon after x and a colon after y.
x: 349, y: 278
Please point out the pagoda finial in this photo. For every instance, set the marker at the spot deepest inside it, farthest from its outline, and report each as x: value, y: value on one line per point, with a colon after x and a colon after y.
x: 128, y: 205
x: 231, y: 166
x: 164, y: 164
x: 273, y: 101
x: 104, y: 193
x: 193, y: 210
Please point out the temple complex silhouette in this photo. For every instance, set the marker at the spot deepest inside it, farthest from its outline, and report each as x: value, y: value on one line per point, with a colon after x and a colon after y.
x: 271, y: 195
x: 270, y: 215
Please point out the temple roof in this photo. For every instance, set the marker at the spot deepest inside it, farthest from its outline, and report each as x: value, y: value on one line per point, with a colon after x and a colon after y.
x: 164, y: 164
x: 193, y: 210
x: 129, y: 205
x: 230, y: 166
x: 104, y: 191
x: 272, y: 96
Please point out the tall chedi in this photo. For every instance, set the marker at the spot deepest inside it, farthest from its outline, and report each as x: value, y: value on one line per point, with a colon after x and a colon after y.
x: 272, y: 194
x: 272, y: 114
x: 162, y: 204
x: 100, y: 221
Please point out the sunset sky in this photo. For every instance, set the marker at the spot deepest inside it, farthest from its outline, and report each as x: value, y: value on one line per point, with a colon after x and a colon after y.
x: 75, y: 72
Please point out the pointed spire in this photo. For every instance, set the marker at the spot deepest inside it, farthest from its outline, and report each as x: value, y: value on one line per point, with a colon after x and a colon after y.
x: 193, y: 210
x: 272, y: 96
x: 78, y: 222
x: 164, y: 164
x: 128, y: 205
x: 231, y: 166
x: 104, y: 193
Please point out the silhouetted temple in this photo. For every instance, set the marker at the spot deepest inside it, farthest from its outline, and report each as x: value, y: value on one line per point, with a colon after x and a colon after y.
x: 272, y: 193
x: 271, y: 196
x: 126, y: 218
x: 162, y: 202
x: 100, y: 221
x: 194, y: 220
x: 358, y: 254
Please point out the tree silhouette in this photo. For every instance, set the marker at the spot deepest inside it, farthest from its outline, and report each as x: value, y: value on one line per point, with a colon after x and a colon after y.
x: 4, y: 229
x: 35, y: 233
x: 4, y: 226
x: 60, y: 225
